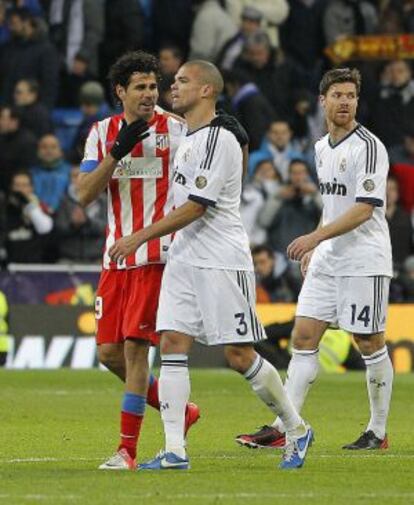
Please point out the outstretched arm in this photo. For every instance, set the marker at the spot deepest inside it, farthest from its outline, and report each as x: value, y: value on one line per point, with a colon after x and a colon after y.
x: 348, y: 221
x: 172, y: 222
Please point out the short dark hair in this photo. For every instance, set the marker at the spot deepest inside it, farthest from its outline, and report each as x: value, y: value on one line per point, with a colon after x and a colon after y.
x: 301, y: 161
x: 339, y: 75
x: 134, y: 61
x: 258, y: 249
x: 176, y: 51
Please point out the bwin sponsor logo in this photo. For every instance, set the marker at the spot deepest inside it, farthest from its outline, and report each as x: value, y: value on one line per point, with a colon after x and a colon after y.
x: 332, y: 188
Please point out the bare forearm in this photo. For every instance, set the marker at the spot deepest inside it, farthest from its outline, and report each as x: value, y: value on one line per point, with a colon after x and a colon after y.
x: 91, y: 185
x: 174, y: 221
x: 350, y: 220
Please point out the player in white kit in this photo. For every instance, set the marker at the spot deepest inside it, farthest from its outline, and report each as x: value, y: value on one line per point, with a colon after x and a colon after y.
x: 347, y: 261
x: 208, y: 288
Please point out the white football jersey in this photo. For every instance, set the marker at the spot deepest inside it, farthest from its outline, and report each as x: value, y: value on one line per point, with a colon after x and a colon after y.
x: 208, y: 169
x: 353, y: 170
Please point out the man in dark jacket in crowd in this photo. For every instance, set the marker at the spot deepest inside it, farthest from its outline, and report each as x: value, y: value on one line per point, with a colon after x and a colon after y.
x: 28, y: 55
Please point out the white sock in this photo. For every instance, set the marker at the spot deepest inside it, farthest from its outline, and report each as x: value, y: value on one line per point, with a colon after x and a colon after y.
x: 266, y: 383
x: 301, y: 374
x: 379, y: 376
x: 174, y: 392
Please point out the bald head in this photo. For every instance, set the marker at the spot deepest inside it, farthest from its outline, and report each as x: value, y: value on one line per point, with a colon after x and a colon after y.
x: 208, y: 74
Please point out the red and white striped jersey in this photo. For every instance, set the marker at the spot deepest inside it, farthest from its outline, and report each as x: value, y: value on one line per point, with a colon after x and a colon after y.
x: 139, y: 191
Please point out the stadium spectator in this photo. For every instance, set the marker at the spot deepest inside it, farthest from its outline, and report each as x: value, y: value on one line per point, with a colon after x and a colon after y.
x: 164, y: 88
x: 94, y: 108
x: 73, y: 80
x: 399, y: 223
x: 392, y: 111
x: 249, y: 105
x: 279, y: 146
x: 274, y: 13
x: 80, y: 231
x: 172, y: 22
x: 212, y: 28
x: 249, y: 22
x: 407, y: 280
x: 264, y: 184
x: 4, y: 29
x: 17, y: 145
x: 308, y: 124
x: 24, y: 223
x: 171, y: 58
x: 302, y: 38
x: 28, y: 55
x: 294, y: 210
x: 51, y: 174
x: 124, y: 31
x: 349, y: 17
x: 270, y: 71
x: 34, y: 115
x: 275, y: 280
x: 76, y: 27
x: 402, y: 167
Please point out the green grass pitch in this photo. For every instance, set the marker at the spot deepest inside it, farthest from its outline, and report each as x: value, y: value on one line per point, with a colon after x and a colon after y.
x: 56, y: 427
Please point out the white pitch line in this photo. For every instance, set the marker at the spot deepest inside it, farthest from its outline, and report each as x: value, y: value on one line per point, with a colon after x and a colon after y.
x: 218, y: 457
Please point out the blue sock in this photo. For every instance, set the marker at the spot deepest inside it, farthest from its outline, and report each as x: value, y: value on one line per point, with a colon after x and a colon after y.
x: 134, y: 404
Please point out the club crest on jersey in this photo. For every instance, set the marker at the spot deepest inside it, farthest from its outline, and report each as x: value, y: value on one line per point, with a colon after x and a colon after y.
x: 201, y: 182
x: 186, y: 155
x: 342, y: 166
x: 369, y: 185
x: 162, y: 141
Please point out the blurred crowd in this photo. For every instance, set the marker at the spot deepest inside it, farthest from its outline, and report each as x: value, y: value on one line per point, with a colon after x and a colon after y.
x: 54, y: 59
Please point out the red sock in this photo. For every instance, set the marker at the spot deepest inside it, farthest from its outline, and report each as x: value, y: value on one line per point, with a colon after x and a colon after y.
x: 152, y: 395
x: 130, y: 428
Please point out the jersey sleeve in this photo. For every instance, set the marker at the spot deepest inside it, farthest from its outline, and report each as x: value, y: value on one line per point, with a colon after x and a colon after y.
x: 92, y: 154
x: 217, y: 160
x: 372, y: 170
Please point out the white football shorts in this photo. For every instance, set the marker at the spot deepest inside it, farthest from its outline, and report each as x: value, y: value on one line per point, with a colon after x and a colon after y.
x: 214, y: 306
x: 355, y: 304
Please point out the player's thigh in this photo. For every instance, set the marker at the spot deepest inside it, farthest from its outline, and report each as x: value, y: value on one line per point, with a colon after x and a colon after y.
x: 178, y: 310
x: 317, y: 298
x: 142, y: 292
x: 108, y: 307
x: 227, y: 302
x: 363, y: 304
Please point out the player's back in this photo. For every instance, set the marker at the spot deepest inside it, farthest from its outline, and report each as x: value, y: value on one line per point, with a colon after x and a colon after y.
x: 208, y: 170
x: 139, y: 190
x: 354, y: 170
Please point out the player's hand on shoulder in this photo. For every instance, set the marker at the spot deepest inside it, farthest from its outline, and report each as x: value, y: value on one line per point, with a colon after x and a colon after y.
x: 129, y: 135
x: 124, y: 247
x: 231, y: 124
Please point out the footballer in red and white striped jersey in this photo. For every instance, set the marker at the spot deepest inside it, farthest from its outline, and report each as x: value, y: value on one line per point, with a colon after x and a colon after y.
x: 139, y: 190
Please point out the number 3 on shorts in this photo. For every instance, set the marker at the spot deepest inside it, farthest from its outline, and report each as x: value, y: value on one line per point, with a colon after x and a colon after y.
x: 98, y: 307
x: 242, y: 329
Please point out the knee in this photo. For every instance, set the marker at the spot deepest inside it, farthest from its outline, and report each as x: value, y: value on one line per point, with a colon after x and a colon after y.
x: 368, y: 344
x: 302, y: 341
x: 240, y: 358
x: 111, y: 357
x: 174, y: 343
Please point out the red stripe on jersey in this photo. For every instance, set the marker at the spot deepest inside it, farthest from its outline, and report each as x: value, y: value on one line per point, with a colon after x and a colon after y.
x: 154, y: 246
x: 137, y: 201
x: 113, y: 129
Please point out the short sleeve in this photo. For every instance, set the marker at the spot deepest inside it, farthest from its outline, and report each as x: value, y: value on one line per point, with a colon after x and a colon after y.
x: 92, y: 155
x: 217, y: 161
x: 371, y: 171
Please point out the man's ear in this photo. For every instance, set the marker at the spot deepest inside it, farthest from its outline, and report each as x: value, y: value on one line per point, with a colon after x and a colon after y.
x: 120, y: 92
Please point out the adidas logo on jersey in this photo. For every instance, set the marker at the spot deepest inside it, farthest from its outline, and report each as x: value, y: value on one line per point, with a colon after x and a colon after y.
x: 179, y: 178
x: 332, y: 188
